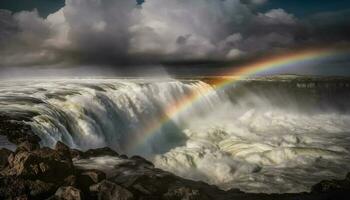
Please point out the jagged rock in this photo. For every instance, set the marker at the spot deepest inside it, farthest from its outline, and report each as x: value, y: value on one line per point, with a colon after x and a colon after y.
x: 184, y: 193
x: 16, y: 130
x: 90, y: 177
x: 27, y: 146
x: 107, y: 190
x: 32, y: 172
x: 75, y: 153
x: 143, y: 180
x: 39, y: 189
x: 46, y: 152
x: 70, y: 181
x: 64, y: 151
x: 38, y: 165
x: 11, y: 187
x: 106, y: 151
x: 14, y: 187
x: 123, y: 156
x: 61, y: 147
x: 347, y: 177
x: 140, y: 160
x: 141, y: 189
x: 332, y: 185
x: 34, y: 139
x: 68, y: 193
x: 326, y: 186
x: 23, y: 197
x: 4, y: 154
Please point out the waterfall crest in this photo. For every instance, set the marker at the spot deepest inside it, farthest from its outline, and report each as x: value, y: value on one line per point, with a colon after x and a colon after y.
x: 250, y: 136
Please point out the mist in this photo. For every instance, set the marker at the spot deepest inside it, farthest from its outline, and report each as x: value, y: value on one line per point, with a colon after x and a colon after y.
x: 253, y: 135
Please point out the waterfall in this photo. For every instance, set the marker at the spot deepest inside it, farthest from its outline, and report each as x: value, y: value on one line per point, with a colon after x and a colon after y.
x: 95, y: 113
x: 265, y: 137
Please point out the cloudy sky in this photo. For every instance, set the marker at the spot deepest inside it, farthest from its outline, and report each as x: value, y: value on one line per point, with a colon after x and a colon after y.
x: 176, y: 34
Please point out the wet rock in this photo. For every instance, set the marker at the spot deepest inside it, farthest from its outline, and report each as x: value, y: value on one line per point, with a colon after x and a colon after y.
x: 14, y: 187
x: 332, y: 185
x: 70, y: 181
x: 89, y: 177
x: 38, y: 165
x: 4, y: 154
x: 27, y: 146
x: 123, y: 156
x: 68, y: 193
x: 106, y: 151
x: 184, y: 193
x: 51, y: 154
x: 22, y: 197
x: 39, y: 189
x: 16, y: 130
x: 325, y: 186
x: 11, y: 187
x: 141, y: 161
x: 63, y: 152
x: 107, y: 190
x: 61, y: 147
x: 32, y: 138
x: 347, y: 177
x: 75, y: 153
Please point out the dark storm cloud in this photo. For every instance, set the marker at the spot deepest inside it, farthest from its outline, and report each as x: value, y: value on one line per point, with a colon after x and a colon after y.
x: 327, y: 27
x: 123, y: 32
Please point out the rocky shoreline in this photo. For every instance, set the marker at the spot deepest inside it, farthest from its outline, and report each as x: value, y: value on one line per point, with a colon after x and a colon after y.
x: 34, y: 172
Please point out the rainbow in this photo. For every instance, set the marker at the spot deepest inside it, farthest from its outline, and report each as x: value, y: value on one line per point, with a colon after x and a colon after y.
x: 231, y: 77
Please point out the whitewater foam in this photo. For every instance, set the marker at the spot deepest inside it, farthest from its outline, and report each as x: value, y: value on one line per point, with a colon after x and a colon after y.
x: 245, y: 141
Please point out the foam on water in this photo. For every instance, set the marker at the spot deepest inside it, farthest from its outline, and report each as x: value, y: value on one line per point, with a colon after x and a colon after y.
x: 246, y: 142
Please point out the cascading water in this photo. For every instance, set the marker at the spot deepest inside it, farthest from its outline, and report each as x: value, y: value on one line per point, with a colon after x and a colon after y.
x: 253, y: 139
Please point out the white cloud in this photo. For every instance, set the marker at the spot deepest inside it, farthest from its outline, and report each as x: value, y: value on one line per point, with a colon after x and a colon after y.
x: 234, y: 53
x: 203, y: 22
x: 276, y: 16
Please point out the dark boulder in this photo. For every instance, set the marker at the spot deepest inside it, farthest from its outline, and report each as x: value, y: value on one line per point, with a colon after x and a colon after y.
x: 51, y: 154
x: 107, y: 190
x: 61, y: 147
x: 332, y: 185
x: 70, y: 181
x: 142, y: 161
x: 68, y: 193
x: 39, y: 189
x: 89, y: 177
x: 123, y: 156
x: 16, y: 130
x: 75, y: 153
x: 14, y: 188
x: 38, y: 165
x: 27, y: 146
x: 4, y: 154
x: 106, y: 151
x: 326, y: 186
x: 184, y: 193
x: 63, y: 151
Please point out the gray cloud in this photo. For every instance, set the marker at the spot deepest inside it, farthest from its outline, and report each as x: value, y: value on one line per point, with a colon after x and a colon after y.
x: 122, y: 32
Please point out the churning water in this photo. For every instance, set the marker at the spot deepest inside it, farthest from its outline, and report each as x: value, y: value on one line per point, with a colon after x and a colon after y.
x: 257, y: 136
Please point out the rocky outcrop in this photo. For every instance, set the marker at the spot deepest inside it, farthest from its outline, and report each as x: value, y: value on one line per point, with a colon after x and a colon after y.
x: 332, y: 185
x: 16, y: 129
x: 108, y: 190
x: 4, y: 154
x: 32, y: 172
x: 67, y: 193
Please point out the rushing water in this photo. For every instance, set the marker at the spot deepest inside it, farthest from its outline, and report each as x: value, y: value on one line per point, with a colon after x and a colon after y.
x: 256, y: 140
